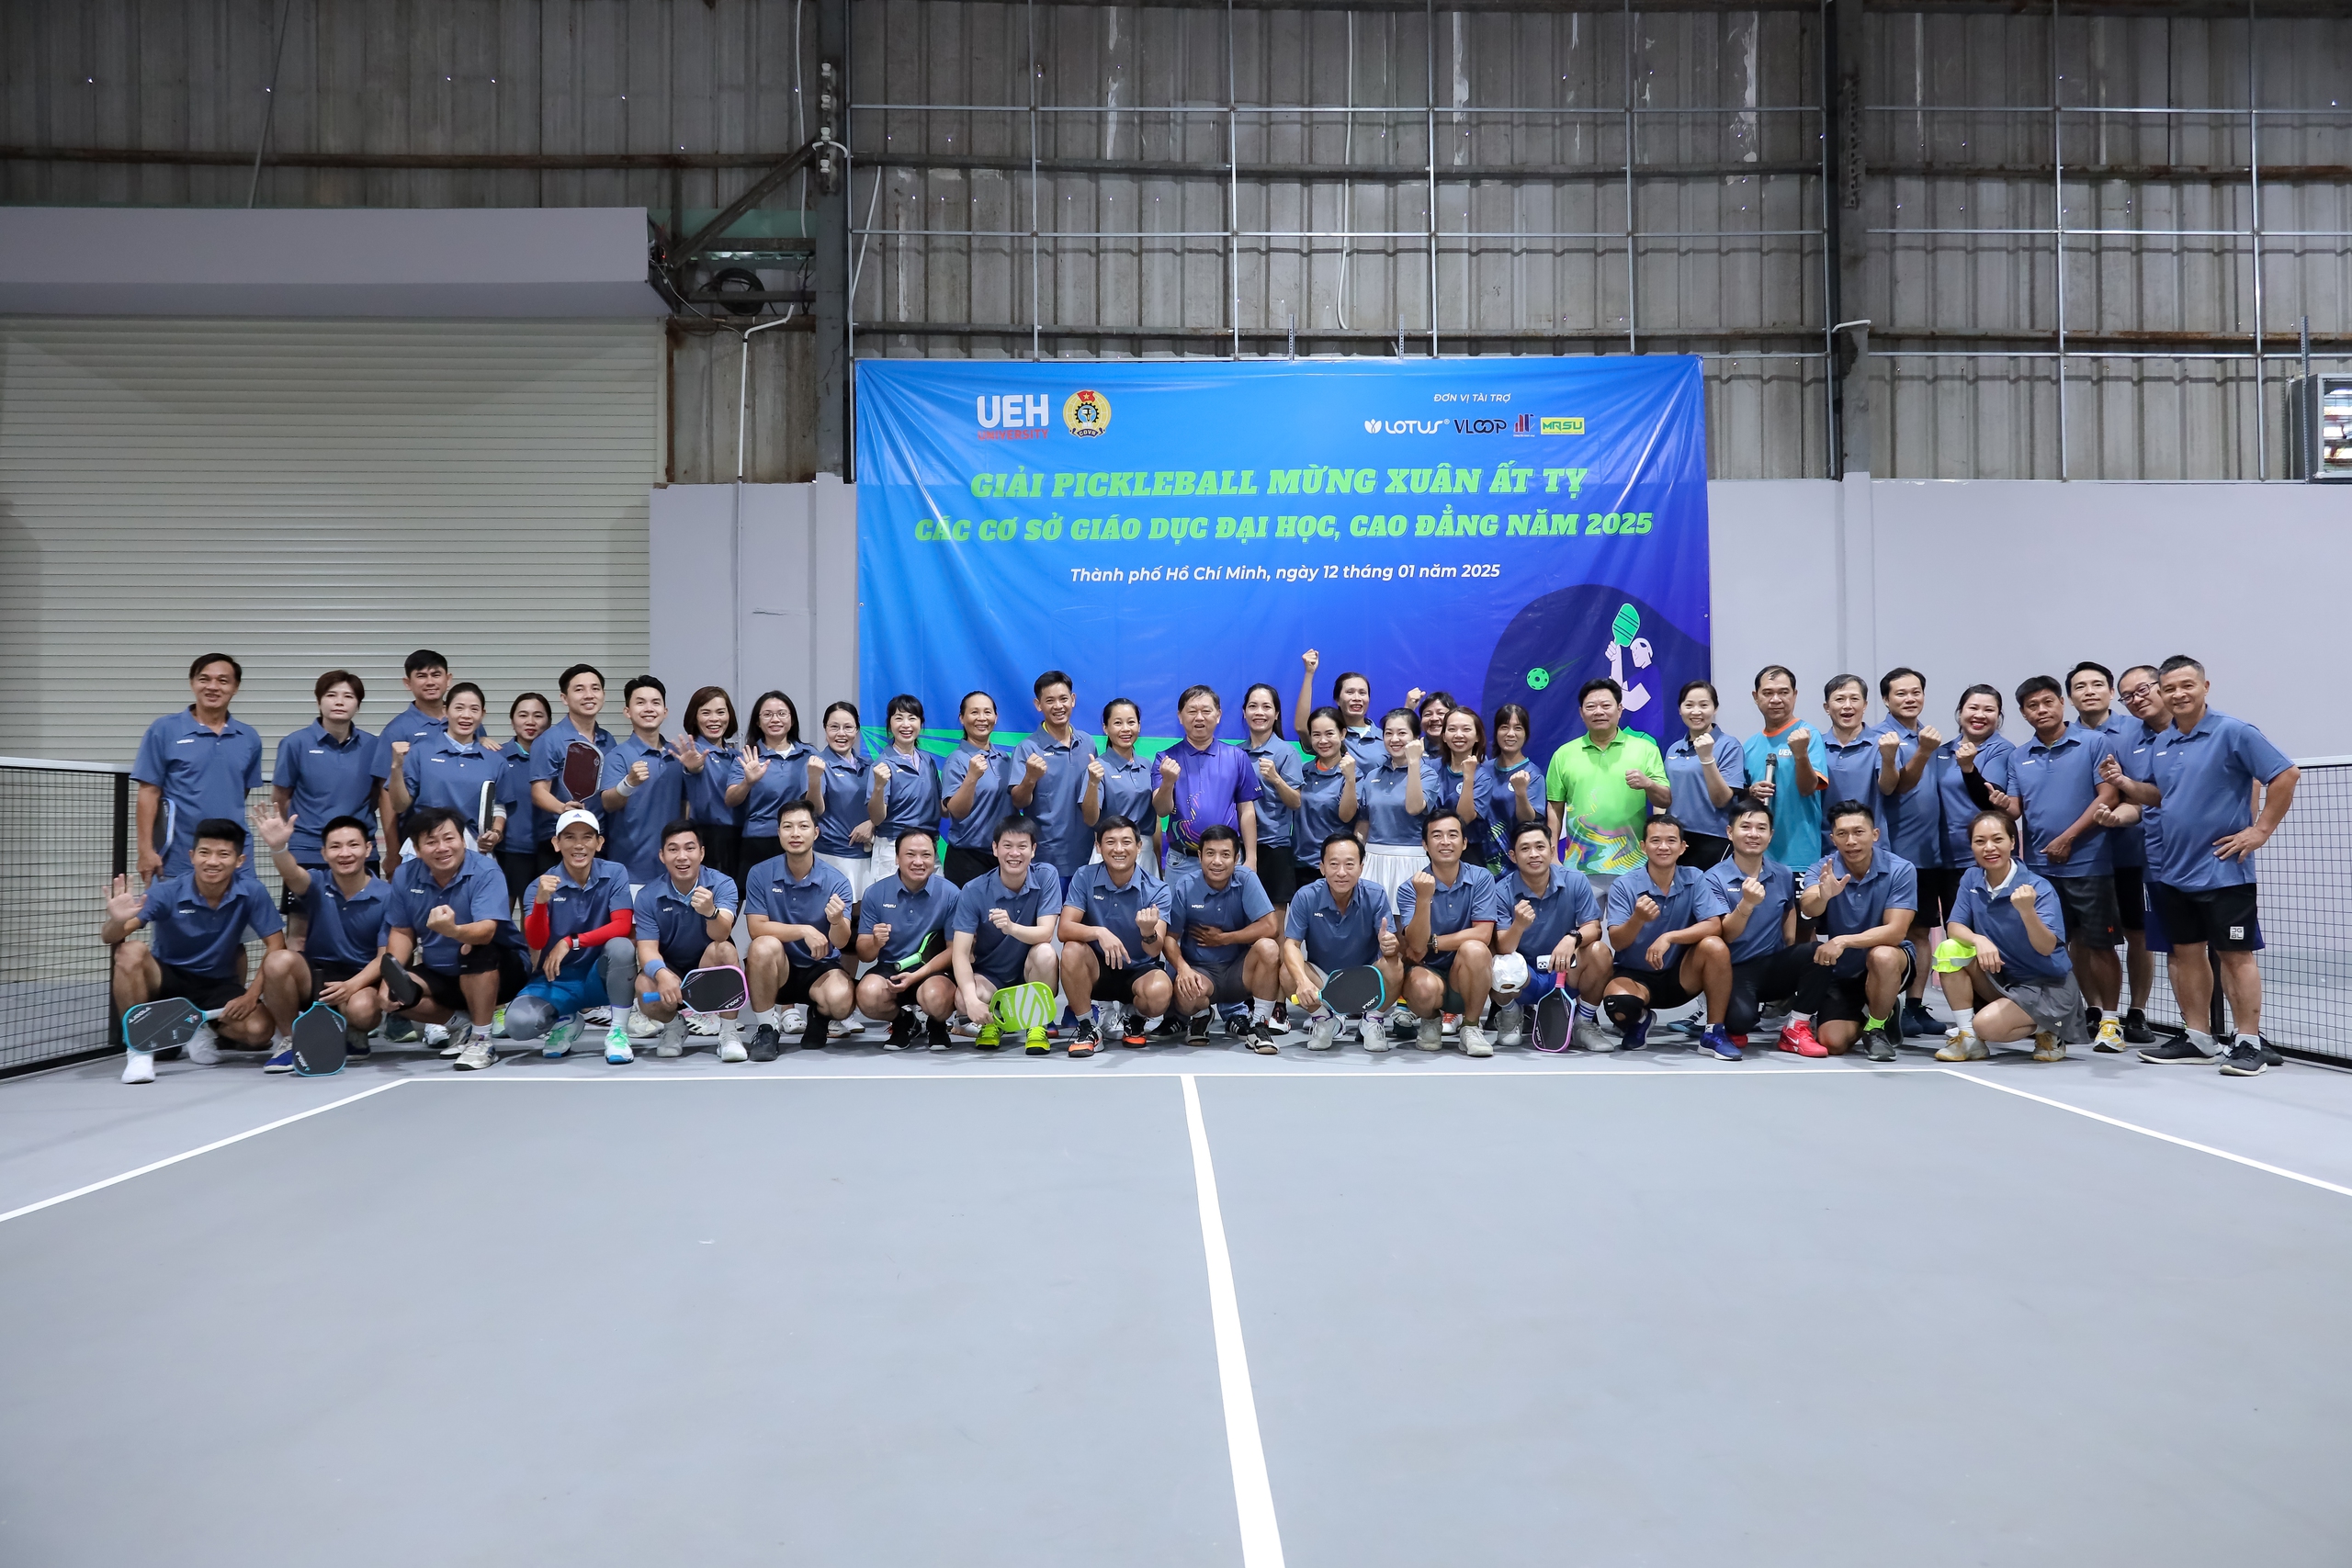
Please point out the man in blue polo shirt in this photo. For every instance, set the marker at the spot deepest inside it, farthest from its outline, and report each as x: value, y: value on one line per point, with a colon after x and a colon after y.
x: 451, y: 938
x: 1665, y: 924
x: 1002, y: 932
x: 327, y: 769
x: 1862, y: 898
x: 1446, y: 918
x: 581, y: 687
x: 1340, y: 922
x: 1768, y: 963
x: 1913, y: 816
x: 1050, y: 774
x: 195, y: 765
x: 2093, y: 692
x: 1778, y: 759
x: 902, y: 931
x: 1554, y: 930
x: 199, y: 919
x: 799, y: 915
x: 2060, y: 838
x: 581, y: 919
x: 645, y: 783
x: 1226, y: 957
x: 1847, y: 755
x: 1115, y: 934
x: 685, y: 921
x: 2206, y: 769
x: 346, y: 910
x: 1203, y: 786
x: 425, y: 719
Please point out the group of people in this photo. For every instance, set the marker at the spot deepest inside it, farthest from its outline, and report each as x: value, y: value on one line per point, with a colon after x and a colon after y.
x: 442, y: 882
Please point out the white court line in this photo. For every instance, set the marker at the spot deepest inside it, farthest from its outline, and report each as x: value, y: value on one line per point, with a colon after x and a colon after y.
x: 191, y: 1153
x: 1253, y: 1495
x: 2144, y: 1131
x: 1156, y: 1074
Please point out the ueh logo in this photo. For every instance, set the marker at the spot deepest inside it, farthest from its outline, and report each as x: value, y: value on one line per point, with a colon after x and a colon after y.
x: 1014, y: 416
x: 1087, y: 413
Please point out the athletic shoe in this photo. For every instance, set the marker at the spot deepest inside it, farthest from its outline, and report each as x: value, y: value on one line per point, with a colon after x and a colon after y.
x: 1917, y: 1020
x: 765, y: 1045
x: 936, y: 1033
x: 1878, y: 1044
x: 1265, y: 1031
x: 138, y: 1067
x: 2243, y: 1062
x: 2135, y: 1029
x: 1510, y: 1024
x: 561, y: 1037
x: 439, y: 1036
x: 1963, y: 1048
x: 1038, y: 1045
x: 2272, y: 1056
x: 476, y: 1054
x: 1171, y: 1030
x: 2175, y: 1051
x: 812, y: 1034
x: 2048, y: 1047
x: 1450, y: 1024
x: 281, y: 1060
x: 1474, y: 1042
x: 903, y: 1033
x: 616, y: 1048
x: 1235, y: 1016
x: 704, y: 1028
x: 357, y: 1049
x: 498, y: 1022
x: 730, y: 1041
x: 1796, y: 1038
x: 990, y: 1037
x: 1086, y: 1036
x: 599, y: 1017
x: 400, y: 1031
x: 1712, y: 1038
x: 204, y: 1046
x: 1171, y: 1027
x: 1638, y: 1034
x: 1429, y: 1034
x: 1372, y: 1033
x: 674, y: 1039
x: 640, y: 1027
x: 1197, y: 1029
x: 2110, y: 1036
x: 1587, y: 1035
x: 795, y: 1019
x: 1322, y: 1035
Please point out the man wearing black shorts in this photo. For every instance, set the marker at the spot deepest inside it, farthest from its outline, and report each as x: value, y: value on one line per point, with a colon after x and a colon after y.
x: 1226, y: 957
x: 2059, y: 786
x: 799, y: 911
x: 1767, y: 963
x: 1665, y: 924
x: 199, y: 919
x: 451, y: 935
x: 1115, y: 934
x: 347, y: 908
x: 1862, y: 898
x: 2093, y: 692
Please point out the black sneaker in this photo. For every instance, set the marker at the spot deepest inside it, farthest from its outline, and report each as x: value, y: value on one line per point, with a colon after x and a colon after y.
x: 1879, y: 1042
x: 1086, y: 1036
x: 812, y: 1033
x: 1918, y: 1022
x: 935, y: 1035
x: 2244, y: 1062
x: 2135, y: 1029
x: 1265, y: 1031
x: 903, y: 1033
x: 356, y: 1048
x: 2271, y: 1054
x: 766, y: 1045
x: 2175, y: 1051
x: 1196, y: 1028
x: 1171, y: 1027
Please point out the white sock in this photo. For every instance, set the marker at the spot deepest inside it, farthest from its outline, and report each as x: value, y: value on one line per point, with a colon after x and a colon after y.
x: 1966, y: 1018
x: 1152, y: 1023
x: 772, y: 1017
x: 281, y: 1040
x: 1262, y: 1009
x: 2252, y: 1041
x: 2203, y: 1042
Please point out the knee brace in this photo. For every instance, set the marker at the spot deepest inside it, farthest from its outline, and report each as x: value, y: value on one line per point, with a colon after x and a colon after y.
x: 1624, y: 1011
x: 620, y: 972
x: 527, y: 1018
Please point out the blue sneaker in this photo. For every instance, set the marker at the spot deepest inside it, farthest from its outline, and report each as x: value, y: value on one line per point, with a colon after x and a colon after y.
x: 1638, y: 1035
x: 281, y: 1061
x: 1716, y: 1039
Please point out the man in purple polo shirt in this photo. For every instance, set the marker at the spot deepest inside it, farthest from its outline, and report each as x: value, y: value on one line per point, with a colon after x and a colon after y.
x: 1205, y: 785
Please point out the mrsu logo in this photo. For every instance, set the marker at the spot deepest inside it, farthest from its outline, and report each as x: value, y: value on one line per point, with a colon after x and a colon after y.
x: 1014, y: 416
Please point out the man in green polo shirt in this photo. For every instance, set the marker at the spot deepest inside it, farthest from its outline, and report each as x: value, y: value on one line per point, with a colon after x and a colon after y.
x: 1600, y: 787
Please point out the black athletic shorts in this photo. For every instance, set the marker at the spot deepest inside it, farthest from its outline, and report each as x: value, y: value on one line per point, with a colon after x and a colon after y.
x: 1939, y: 886
x: 1665, y: 985
x: 325, y: 972
x: 795, y: 990
x: 207, y: 991
x: 1703, y: 852
x: 1278, y: 872
x: 1846, y: 998
x: 2223, y: 916
x: 1119, y: 984
x: 1303, y: 872
x: 1226, y: 984
x: 441, y: 985
x: 522, y: 869
x: 965, y: 866
x: 1787, y: 976
x: 2088, y: 904
x: 2131, y: 898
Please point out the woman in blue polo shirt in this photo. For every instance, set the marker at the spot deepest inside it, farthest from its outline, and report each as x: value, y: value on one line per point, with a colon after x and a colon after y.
x: 1395, y: 797
x: 905, y: 795
x: 976, y: 783
x: 2003, y: 962
x: 1514, y: 787
x: 1703, y: 769
x: 1278, y: 794
x: 771, y: 772
x: 519, y: 851
x: 837, y: 788
x: 1119, y: 783
x: 451, y: 769
x: 1464, y: 786
x: 1327, y: 791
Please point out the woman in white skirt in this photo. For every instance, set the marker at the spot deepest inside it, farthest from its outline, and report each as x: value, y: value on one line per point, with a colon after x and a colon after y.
x: 838, y: 793
x: 1393, y: 798
x: 905, y: 793
x: 2003, y: 961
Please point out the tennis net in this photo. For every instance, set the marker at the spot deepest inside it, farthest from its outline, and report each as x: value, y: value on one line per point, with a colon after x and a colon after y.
x: 64, y: 836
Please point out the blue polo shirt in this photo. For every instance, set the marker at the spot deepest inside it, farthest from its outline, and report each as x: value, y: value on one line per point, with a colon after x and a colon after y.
x: 1851, y: 768
x: 1334, y: 938
x: 910, y: 796
x: 633, y: 832
x: 664, y: 916
x: 547, y: 760
x: 1687, y: 776
x: 1065, y: 841
x: 414, y: 727
x: 576, y: 907
x: 2208, y: 777
x: 2136, y: 754
x: 202, y: 938
x: 786, y: 780
x: 1275, y: 820
x: 976, y: 829
x: 2127, y: 847
x: 1102, y: 902
x: 445, y: 771
x: 913, y: 915
x: 1127, y: 784
x: 1242, y: 901
x: 722, y: 769
x: 848, y: 780
x: 997, y: 957
x: 1471, y: 804
x: 326, y: 779
x: 1502, y: 806
x: 1691, y: 897
x: 1568, y: 903
x: 1209, y: 792
x: 476, y: 892
x: 1366, y: 745
x: 1760, y: 937
x: 1318, y: 809
x: 1913, y: 825
x: 1890, y: 883
x: 345, y: 930
x: 200, y: 774
x: 772, y: 892
x: 1470, y: 898
x: 1955, y: 808
x: 1380, y: 803
x: 2057, y: 783
x: 1989, y: 912
x: 1796, y: 818
x: 522, y: 826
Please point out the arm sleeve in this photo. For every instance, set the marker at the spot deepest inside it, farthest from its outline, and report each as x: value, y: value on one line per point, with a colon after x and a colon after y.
x: 622, y: 924
x: 535, y: 927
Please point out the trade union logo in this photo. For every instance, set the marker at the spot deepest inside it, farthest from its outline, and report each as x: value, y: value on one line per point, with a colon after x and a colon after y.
x: 1087, y: 413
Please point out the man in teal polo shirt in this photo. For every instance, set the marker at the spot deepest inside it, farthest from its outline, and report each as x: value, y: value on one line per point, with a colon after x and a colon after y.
x: 1600, y: 787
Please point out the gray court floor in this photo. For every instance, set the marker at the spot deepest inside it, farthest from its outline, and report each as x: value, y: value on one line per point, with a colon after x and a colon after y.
x: 858, y: 1309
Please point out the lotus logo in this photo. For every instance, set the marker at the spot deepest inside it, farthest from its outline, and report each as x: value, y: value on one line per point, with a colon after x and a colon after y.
x: 1372, y: 427
x: 1403, y: 426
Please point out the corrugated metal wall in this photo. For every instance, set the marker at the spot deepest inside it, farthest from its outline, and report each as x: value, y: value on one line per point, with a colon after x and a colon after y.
x: 1506, y: 132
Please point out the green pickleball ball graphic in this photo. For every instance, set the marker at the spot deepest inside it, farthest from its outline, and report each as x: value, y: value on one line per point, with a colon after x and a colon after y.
x: 1539, y: 678
x: 1626, y: 627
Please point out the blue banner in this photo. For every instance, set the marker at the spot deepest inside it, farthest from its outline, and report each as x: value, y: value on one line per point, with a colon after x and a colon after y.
x: 1503, y: 529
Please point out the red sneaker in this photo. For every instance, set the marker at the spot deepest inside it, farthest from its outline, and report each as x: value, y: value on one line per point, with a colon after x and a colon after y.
x: 1740, y: 1041
x: 1796, y: 1036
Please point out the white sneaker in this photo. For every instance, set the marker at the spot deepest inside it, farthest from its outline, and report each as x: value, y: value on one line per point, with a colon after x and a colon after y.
x: 796, y: 1022
x: 559, y: 1038
x: 476, y: 1053
x: 1452, y: 1024
x: 1373, y: 1030
x: 437, y: 1035
x: 203, y: 1048
x: 616, y: 1048
x: 1474, y: 1042
x: 673, y: 1038
x: 640, y: 1027
x: 730, y: 1041
x: 600, y: 1017
x: 701, y: 1028
x: 1430, y: 1035
x: 1512, y: 1022
x: 850, y: 1028
x: 1324, y: 1034
x: 138, y: 1067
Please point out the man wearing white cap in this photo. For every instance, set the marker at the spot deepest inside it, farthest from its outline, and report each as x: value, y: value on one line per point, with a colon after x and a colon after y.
x: 580, y: 922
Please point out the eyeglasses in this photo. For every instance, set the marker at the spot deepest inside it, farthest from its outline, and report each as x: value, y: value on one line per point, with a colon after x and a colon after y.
x: 2130, y: 693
